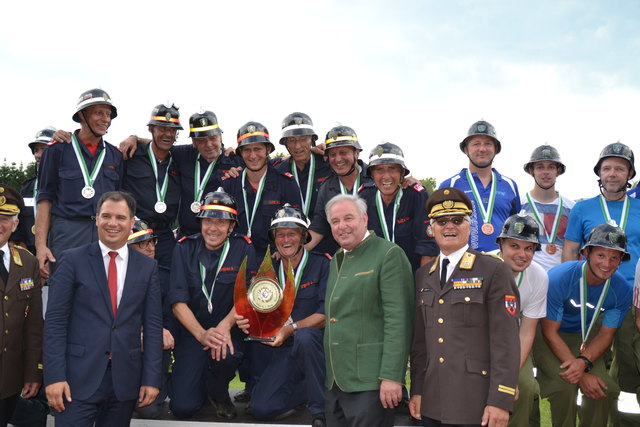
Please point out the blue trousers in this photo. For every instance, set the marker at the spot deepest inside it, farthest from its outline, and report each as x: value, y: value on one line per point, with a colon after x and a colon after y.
x: 294, y: 375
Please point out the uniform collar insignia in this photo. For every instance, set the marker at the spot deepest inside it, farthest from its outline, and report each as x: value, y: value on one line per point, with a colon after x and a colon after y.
x: 435, y: 265
x: 466, y: 263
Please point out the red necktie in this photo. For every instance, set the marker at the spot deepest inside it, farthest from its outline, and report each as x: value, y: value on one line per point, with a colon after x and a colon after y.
x: 113, y: 281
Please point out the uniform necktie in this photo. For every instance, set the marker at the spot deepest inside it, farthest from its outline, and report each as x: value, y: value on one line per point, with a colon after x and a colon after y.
x: 443, y: 272
x: 113, y: 281
x: 4, y: 274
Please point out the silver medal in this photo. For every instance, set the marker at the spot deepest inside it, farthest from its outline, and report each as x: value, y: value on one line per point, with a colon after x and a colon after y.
x: 88, y: 192
x: 160, y: 207
x: 195, y: 207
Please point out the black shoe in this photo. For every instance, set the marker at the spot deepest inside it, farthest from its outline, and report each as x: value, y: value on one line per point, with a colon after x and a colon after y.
x: 318, y: 420
x: 243, y: 396
x: 225, y: 410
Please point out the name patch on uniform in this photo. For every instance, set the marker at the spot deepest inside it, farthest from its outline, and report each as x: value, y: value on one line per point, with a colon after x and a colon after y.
x: 511, y: 304
x: 232, y: 268
x: 26, y: 284
x: 467, y: 283
x: 305, y: 285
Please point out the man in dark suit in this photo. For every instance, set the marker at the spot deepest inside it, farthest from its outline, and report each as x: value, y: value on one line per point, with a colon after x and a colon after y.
x: 101, y: 298
x: 21, y: 312
x: 465, y: 355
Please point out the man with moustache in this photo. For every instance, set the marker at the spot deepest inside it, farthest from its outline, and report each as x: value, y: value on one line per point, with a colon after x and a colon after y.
x: 208, y: 349
x: 465, y: 354
x: 615, y: 169
x: 397, y: 214
x: 309, y: 169
x: 342, y: 150
x: 586, y: 304
x: 368, y: 320
x: 294, y: 373
x: 71, y: 179
x: 495, y: 197
x: 102, y: 295
x: 549, y: 208
x: 260, y: 189
x: 518, y: 242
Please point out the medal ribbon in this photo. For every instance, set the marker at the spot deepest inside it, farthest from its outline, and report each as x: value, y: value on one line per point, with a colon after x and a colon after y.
x: 383, y: 220
x: 89, y: 178
x: 35, y: 195
x: 583, y: 304
x: 203, y: 275
x: 487, y: 213
x: 160, y: 192
x: 298, y: 272
x: 306, y: 202
x: 625, y: 211
x: 556, y: 222
x: 199, y: 185
x: 354, y: 191
x: 252, y: 215
x: 520, y: 277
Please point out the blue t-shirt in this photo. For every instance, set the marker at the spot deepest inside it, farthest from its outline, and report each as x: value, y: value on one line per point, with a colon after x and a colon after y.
x: 507, y: 203
x: 563, y: 298
x: 587, y: 214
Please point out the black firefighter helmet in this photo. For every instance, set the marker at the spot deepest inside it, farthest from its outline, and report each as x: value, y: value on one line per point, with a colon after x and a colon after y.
x: 542, y: 153
x: 342, y: 136
x: 296, y: 124
x: 617, y: 149
x: 219, y: 204
x: 289, y: 217
x: 608, y: 236
x: 94, y: 97
x: 140, y: 232
x: 252, y: 132
x: 384, y: 154
x: 481, y: 128
x: 521, y: 226
x: 203, y: 124
x: 166, y: 115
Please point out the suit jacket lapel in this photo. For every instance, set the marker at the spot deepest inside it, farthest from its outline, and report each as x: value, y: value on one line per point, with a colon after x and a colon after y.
x: 129, y: 280
x: 97, y: 266
x: 15, y: 272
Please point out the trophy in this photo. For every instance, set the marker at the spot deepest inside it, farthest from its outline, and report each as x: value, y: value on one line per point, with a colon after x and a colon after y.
x: 266, y: 304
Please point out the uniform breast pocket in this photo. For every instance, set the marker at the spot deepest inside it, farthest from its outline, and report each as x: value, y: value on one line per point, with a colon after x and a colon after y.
x: 111, y: 174
x: 70, y: 174
x: 467, y: 307
x: 425, y: 300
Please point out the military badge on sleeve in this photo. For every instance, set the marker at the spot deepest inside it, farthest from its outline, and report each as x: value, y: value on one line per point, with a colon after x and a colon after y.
x: 511, y: 304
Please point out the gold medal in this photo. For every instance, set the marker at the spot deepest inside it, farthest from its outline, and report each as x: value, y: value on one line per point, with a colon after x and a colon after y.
x: 487, y: 228
x: 33, y: 229
x: 551, y: 248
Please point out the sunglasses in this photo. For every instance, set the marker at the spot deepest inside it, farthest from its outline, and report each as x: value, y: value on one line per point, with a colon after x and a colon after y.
x: 455, y: 220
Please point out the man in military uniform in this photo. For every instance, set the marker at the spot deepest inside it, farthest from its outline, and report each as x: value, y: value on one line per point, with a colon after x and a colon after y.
x: 549, y: 208
x: 519, y: 241
x: 465, y: 354
x: 260, y: 189
x: 21, y: 320
x: 349, y: 173
x: 154, y: 181
x: 586, y: 304
x: 368, y: 328
x: 71, y: 179
x: 208, y: 348
x: 495, y: 197
x: 309, y: 169
x: 397, y: 215
x: 294, y: 371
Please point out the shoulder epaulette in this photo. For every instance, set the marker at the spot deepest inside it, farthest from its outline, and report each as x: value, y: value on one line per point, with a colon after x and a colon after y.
x: 23, y: 248
x: 328, y: 256
x: 182, y: 239
x: 287, y: 174
x: 247, y: 238
x: 492, y: 255
x: 467, y: 261
x: 434, y: 265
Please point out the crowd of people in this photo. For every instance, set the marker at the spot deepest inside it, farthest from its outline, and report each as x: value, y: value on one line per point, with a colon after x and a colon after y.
x: 129, y: 303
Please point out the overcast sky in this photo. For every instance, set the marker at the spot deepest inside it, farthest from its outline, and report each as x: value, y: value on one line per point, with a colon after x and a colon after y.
x: 415, y: 73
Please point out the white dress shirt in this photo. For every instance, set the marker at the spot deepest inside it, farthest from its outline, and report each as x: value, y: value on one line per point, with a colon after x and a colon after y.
x: 5, y: 258
x: 122, y: 259
x: 454, y: 259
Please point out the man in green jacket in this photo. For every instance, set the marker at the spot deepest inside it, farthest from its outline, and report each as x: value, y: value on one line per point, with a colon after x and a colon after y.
x: 368, y: 320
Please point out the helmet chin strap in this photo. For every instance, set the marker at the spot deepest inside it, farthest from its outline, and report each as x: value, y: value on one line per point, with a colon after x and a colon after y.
x: 544, y: 188
x: 478, y: 166
x: 89, y: 126
x: 619, y: 190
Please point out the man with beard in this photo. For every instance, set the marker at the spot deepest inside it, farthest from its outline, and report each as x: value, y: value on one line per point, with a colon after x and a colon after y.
x: 615, y: 168
x: 546, y: 205
x: 294, y: 371
x: 208, y: 349
x: 518, y: 242
x: 342, y: 150
x: 153, y: 179
x: 309, y: 169
x: 260, y: 189
x: 71, y: 179
x: 465, y: 353
x: 586, y: 304
x: 495, y: 197
x: 397, y: 214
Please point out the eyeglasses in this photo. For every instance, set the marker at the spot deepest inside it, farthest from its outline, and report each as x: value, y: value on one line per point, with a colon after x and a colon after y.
x: 144, y: 244
x: 455, y: 220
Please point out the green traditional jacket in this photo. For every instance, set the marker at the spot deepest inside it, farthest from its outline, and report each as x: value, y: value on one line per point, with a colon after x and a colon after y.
x: 369, y: 310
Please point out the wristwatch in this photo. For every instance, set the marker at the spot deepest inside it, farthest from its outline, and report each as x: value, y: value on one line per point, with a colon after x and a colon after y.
x: 294, y: 325
x: 587, y: 362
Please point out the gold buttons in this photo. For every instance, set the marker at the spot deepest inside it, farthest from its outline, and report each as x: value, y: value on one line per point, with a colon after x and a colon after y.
x: 467, y: 299
x: 6, y: 331
x: 484, y: 373
x: 440, y: 301
x: 441, y: 320
x: 6, y: 298
x: 332, y: 320
x: 441, y: 360
x: 6, y: 314
x: 440, y: 340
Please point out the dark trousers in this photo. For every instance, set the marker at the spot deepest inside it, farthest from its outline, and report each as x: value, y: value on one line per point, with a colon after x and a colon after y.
x: 156, y: 408
x: 103, y: 408
x: 430, y: 422
x: 358, y: 409
x: 7, y: 405
x: 164, y: 248
x: 294, y: 375
x: 197, y: 376
x: 31, y: 412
